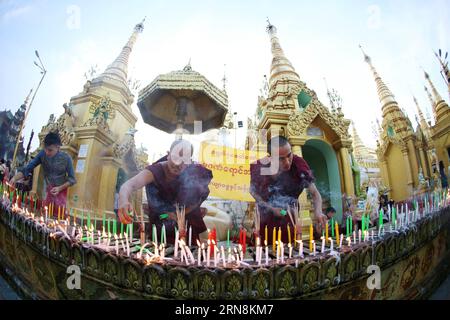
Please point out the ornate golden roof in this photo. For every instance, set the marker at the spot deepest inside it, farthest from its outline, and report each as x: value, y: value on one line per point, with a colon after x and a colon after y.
x: 207, y: 103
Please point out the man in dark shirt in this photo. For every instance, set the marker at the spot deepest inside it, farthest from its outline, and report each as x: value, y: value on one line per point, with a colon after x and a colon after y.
x: 175, y: 179
x: 276, y: 183
x: 57, y: 167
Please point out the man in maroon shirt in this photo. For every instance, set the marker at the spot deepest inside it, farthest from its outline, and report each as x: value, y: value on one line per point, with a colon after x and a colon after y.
x: 175, y: 179
x: 276, y: 183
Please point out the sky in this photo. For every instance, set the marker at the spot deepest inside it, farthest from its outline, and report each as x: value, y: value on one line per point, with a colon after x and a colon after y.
x: 320, y: 38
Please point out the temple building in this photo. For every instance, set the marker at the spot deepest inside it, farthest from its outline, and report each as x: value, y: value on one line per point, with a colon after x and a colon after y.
x: 97, y: 130
x: 367, y: 162
x: 319, y: 135
x: 417, y: 150
x: 440, y: 131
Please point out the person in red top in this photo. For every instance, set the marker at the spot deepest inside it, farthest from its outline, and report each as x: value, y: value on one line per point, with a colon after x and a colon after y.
x: 276, y: 182
x: 175, y: 179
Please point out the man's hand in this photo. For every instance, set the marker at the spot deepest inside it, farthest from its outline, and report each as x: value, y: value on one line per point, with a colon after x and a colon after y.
x: 277, y: 212
x: 321, y: 220
x: 172, y: 216
x: 124, y: 209
x: 55, y: 190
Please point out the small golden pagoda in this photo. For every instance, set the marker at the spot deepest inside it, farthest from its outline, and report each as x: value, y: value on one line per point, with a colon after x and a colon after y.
x: 97, y: 130
x: 289, y: 108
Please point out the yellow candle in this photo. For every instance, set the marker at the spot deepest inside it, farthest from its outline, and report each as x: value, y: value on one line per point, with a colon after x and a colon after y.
x: 311, y: 236
x: 274, y: 239
x: 75, y: 215
x: 289, y: 234
x: 326, y: 233
x: 295, y: 237
x: 337, y: 233
x: 59, y: 213
x: 266, y: 234
x: 279, y: 234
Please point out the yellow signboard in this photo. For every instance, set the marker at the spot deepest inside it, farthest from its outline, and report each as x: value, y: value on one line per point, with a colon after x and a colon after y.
x: 231, y: 170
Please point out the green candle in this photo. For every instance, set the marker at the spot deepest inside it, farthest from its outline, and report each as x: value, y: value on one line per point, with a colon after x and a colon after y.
x: 104, y: 221
x: 109, y: 225
x: 351, y: 225
x: 347, y: 227
x: 115, y: 226
x: 89, y: 221
x: 121, y: 228
x: 380, y: 223
x: 131, y: 228
x: 228, y: 238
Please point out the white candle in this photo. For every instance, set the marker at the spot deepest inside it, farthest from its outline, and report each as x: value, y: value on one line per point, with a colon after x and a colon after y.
x: 349, y: 241
x: 123, y: 244
x: 257, y: 250
x: 208, y: 252
x: 163, y: 250
x: 230, y: 256
x: 282, y: 251
x: 323, y: 244
x: 331, y: 243
x: 267, y: 252
x: 156, y: 248
x: 128, y: 245
x: 359, y: 235
x: 215, y: 253
x: 189, y: 253
x: 290, y: 250
x: 223, y: 256
x: 190, y: 236
x: 199, y: 253
x: 278, y: 251
x: 175, y: 252
x: 372, y: 235
x: 203, y: 252
x: 340, y: 241
x: 241, y: 252
x: 46, y: 214
x: 314, y: 248
x: 117, y: 244
x: 354, y: 236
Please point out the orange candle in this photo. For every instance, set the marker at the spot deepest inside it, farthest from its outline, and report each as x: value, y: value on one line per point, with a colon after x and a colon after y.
x: 274, y: 238
x: 337, y: 233
x: 311, y: 236
x: 266, y: 234
x: 289, y: 234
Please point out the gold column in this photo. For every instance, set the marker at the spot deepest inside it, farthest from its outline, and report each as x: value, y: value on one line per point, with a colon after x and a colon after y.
x: 346, y: 168
x: 423, y: 163
x: 414, y: 163
x: 108, y: 180
x: 408, y: 172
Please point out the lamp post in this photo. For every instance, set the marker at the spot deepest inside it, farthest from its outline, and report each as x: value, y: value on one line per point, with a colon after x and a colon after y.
x: 43, y: 72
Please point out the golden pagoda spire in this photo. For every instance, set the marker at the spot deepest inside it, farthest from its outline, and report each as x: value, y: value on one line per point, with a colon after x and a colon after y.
x: 360, y: 149
x: 440, y: 107
x: 118, y: 70
x: 384, y: 94
x: 422, y: 122
x: 281, y: 66
x: 437, y: 97
x: 430, y: 97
